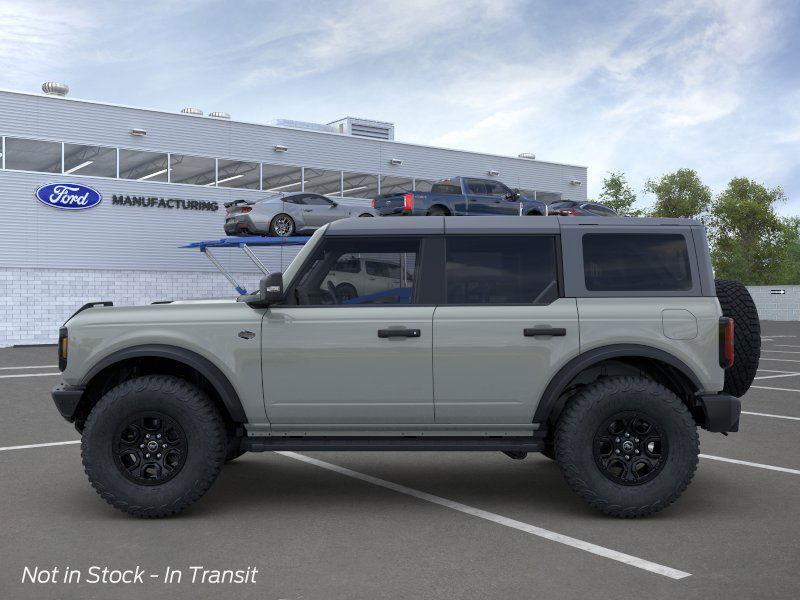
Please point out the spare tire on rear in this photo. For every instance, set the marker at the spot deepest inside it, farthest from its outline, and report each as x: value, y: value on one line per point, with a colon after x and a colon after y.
x: 737, y: 304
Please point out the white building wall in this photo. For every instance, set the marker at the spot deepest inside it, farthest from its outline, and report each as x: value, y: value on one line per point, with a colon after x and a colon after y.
x: 776, y: 306
x: 34, y: 303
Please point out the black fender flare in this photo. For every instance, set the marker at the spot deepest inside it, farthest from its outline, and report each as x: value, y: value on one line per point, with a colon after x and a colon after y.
x: 199, y: 363
x: 589, y: 358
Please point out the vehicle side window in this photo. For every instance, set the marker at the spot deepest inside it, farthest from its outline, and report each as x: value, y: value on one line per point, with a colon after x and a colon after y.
x: 334, y: 275
x: 446, y: 187
x: 295, y: 199
x: 636, y: 262
x: 501, y: 269
x: 599, y: 208
x: 476, y: 186
x: 315, y: 200
x: 495, y: 188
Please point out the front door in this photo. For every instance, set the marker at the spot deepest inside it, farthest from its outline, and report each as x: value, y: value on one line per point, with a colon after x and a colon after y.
x: 489, y: 198
x: 503, y: 330
x: 344, y: 353
x: 319, y: 210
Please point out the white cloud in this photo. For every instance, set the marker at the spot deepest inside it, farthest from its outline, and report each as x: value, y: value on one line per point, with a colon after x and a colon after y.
x: 37, y: 38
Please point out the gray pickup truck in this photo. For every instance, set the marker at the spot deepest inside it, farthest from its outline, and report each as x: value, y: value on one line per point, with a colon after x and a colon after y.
x: 604, y: 343
x: 460, y: 196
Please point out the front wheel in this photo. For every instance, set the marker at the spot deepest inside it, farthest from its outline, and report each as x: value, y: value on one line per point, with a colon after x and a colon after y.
x: 627, y: 445
x: 153, y: 445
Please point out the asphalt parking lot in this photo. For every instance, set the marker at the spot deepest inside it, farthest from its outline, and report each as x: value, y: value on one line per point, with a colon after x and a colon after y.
x: 411, y: 525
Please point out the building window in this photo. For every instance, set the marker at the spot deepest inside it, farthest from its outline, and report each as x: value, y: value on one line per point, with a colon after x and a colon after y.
x: 320, y: 181
x: 396, y: 185
x: 33, y: 155
x: 237, y: 174
x: 195, y: 170
x: 97, y: 161
x: 144, y: 166
x: 280, y: 178
x: 360, y: 185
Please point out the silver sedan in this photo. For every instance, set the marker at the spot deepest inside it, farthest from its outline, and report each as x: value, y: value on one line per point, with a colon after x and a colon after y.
x: 286, y: 214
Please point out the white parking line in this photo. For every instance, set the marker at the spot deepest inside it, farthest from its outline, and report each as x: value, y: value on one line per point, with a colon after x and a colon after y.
x: 763, y: 387
x: 39, y: 445
x: 780, y: 359
x: 776, y: 376
x: 785, y: 346
x: 781, y: 351
x: 751, y: 464
x: 634, y: 561
x: 29, y: 367
x: 744, y: 412
x: 778, y: 336
x: 29, y: 375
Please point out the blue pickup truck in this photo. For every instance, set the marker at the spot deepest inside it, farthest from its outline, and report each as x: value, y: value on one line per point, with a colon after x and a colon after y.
x: 460, y: 196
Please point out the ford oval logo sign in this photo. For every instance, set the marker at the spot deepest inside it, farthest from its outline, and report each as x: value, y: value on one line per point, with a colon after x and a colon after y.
x: 68, y: 196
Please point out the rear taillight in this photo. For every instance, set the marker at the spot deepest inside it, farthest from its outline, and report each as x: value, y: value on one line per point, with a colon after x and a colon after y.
x: 567, y: 211
x: 374, y: 200
x: 246, y: 209
x: 726, y: 325
x: 408, y: 202
x: 63, y: 343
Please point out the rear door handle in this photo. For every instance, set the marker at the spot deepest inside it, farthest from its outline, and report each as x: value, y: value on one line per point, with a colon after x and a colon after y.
x: 405, y: 333
x: 549, y: 331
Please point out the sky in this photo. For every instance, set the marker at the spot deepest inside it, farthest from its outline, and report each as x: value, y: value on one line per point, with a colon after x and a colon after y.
x: 639, y: 87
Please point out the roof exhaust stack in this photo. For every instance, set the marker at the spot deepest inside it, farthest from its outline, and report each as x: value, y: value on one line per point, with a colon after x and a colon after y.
x: 51, y: 88
x: 192, y: 111
x: 219, y: 115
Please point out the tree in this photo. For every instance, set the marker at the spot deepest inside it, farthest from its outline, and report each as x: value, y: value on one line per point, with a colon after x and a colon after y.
x: 750, y: 241
x: 617, y: 194
x: 679, y: 194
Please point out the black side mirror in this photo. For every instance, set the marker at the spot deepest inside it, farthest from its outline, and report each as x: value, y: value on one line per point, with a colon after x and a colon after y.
x: 334, y: 204
x: 270, y: 291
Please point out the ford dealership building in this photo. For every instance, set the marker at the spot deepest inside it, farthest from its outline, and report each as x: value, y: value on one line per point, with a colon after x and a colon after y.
x: 120, y: 189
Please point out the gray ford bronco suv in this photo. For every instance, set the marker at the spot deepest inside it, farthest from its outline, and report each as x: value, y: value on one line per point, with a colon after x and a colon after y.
x: 603, y: 343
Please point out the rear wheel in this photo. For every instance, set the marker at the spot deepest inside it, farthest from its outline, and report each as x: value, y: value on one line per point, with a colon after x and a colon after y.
x: 281, y: 226
x: 153, y: 445
x: 627, y: 445
x: 736, y: 302
x: 437, y: 211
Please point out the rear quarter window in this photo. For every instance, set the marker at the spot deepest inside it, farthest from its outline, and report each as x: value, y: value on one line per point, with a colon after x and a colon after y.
x: 636, y: 262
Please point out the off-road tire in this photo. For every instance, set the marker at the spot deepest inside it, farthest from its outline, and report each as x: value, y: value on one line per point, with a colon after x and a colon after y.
x: 586, y: 413
x: 737, y: 303
x: 184, y: 403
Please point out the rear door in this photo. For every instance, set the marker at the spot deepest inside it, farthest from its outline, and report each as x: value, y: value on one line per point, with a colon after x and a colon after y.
x: 346, y: 351
x: 504, y: 329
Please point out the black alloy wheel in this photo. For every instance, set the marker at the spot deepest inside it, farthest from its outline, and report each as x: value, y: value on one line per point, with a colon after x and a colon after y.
x: 150, y: 448
x: 630, y: 448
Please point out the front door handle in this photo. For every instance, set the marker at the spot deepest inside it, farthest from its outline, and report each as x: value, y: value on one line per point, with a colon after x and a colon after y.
x: 404, y: 333
x: 548, y: 331
x: 308, y: 209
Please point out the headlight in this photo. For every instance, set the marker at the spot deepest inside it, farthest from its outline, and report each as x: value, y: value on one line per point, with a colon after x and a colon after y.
x: 63, y: 343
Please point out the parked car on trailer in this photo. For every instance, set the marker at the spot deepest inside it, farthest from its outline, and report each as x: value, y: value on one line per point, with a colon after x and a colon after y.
x: 288, y: 213
x: 460, y: 196
x: 573, y: 208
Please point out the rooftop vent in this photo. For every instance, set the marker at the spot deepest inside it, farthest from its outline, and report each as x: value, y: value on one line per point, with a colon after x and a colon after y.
x: 303, y: 125
x: 219, y: 115
x: 51, y: 88
x: 527, y: 155
x: 377, y: 130
x: 192, y: 111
